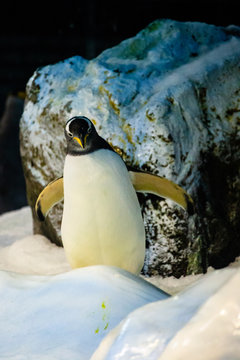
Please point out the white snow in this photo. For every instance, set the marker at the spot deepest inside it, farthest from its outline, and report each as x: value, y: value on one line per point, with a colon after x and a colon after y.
x: 34, y: 254
x: 105, y: 310
x: 15, y: 225
x: 25, y: 253
x: 67, y: 315
x: 173, y: 285
x: 201, y: 322
x: 214, y: 331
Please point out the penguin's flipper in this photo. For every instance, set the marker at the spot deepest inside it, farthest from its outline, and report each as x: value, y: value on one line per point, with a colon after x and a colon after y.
x: 153, y: 184
x: 50, y: 196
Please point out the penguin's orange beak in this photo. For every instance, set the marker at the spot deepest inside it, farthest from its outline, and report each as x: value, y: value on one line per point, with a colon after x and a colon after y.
x: 79, y: 141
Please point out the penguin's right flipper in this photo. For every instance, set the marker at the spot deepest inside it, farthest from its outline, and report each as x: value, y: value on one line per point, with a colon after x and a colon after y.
x: 50, y: 196
x: 160, y: 186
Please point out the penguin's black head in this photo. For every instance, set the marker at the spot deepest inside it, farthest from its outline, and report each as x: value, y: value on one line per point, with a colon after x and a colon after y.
x: 82, y: 137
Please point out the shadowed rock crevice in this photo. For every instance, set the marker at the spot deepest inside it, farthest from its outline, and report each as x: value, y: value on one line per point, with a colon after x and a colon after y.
x: 221, y: 208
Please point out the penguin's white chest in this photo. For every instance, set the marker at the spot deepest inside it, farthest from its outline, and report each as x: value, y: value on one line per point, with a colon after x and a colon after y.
x: 102, y: 222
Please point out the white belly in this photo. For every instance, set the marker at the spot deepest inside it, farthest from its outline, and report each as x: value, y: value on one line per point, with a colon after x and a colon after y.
x: 102, y: 222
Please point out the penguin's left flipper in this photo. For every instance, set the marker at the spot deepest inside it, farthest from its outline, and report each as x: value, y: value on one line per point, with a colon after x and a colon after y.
x: 153, y: 184
x: 50, y: 196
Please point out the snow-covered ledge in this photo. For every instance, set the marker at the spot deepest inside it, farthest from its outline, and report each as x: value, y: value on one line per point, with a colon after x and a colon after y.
x: 168, y: 101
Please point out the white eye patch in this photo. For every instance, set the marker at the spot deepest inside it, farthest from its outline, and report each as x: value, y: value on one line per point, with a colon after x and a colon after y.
x: 67, y: 128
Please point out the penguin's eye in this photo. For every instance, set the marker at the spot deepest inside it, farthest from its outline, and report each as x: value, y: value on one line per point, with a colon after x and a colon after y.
x: 89, y: 130
x: 70, y: 134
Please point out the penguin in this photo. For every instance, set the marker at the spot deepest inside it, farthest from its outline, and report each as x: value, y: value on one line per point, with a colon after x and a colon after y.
x: 102, y: 221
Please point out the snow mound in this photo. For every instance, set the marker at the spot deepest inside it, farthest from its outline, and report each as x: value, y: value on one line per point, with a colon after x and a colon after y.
x: 202, y: 322
x: 107, y: 310
x: 34, y: 254
x: 66, y: 316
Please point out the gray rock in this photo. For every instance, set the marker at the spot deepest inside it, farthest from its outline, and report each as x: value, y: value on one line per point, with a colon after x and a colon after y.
x: 168, y: 101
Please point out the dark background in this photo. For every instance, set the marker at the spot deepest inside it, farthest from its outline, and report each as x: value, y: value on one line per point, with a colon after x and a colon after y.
x: 40, y: 33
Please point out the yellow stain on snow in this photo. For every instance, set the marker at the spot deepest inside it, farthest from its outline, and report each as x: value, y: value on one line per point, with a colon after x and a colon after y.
x: 103, y: 305
x: 106, y: 326
x: 105, y: 314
